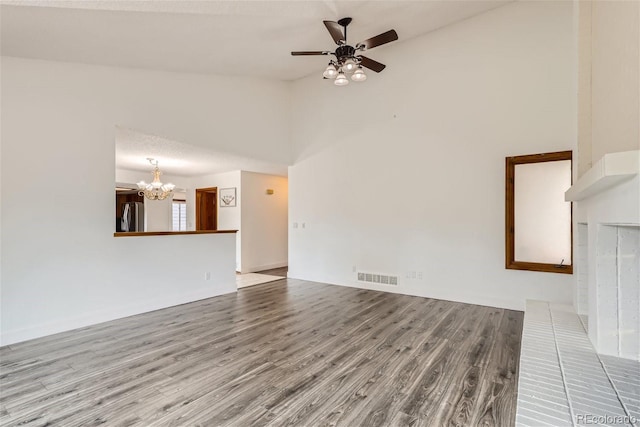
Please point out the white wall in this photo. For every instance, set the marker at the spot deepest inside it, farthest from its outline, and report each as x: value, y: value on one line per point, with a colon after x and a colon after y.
x: 158, y: 215
x: 229, y: 218
x: 62, y: 267
x: 615, y: 77
x: 264, y: 221
x: 609, y: 79
x: 405, y: 172
x: 260, y: 218
x: 113, y: 283
x: 582, y: 16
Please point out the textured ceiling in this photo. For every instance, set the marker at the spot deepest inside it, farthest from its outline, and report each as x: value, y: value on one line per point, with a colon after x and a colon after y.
x: 252, y: 38
x: 177, y: 158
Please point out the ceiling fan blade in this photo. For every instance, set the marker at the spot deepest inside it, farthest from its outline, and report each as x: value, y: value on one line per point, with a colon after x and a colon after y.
x: 335, y: 30
x: 371, y: 64
x: 311, y: 52
x: 378, y: 40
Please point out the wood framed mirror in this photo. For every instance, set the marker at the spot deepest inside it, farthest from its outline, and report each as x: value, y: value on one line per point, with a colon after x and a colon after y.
x: 538, y: 225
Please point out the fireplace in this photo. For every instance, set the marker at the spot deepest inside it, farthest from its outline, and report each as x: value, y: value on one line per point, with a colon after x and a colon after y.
x: 607, y: 241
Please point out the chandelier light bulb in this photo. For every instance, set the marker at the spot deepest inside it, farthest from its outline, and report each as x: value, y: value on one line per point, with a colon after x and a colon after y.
x: 359, y: 75
x: 330, y: 72
x: 349, y: 65
x: 341, y: 80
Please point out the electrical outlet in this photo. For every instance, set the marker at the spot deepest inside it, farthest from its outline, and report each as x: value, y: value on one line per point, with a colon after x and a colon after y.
x: 207, y: 275
x: 413, y: 274
x: 304, y: 225
x: 295, y: 225
x: 353, y: 269
x: 420, y: 275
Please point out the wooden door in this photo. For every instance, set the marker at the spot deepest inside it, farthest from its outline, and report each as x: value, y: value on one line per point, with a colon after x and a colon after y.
x: 207, y: 208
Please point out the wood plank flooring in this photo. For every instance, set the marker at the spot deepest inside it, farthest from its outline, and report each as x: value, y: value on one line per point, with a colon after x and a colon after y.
x: 287, y: 353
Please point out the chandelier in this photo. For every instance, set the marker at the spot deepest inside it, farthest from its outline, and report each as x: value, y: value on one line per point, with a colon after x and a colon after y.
x: 156, y: 190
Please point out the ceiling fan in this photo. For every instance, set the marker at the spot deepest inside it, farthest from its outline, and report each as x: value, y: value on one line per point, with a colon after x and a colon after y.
x: 348, y: 59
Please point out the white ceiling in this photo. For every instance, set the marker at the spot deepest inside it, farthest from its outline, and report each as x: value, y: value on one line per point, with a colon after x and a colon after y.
x: 177, y: 158
x: 252, y: 38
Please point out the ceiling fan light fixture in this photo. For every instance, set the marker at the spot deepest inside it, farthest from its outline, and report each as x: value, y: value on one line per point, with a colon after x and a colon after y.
x: 341, y: 80
x: 359, y: 75
x: 347, y: 56
x: 349, y: 65
x: 330, y: 72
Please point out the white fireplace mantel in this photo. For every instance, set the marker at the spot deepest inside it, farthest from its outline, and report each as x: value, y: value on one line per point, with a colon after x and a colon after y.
x: 609, y: 171
x: 606, y: 213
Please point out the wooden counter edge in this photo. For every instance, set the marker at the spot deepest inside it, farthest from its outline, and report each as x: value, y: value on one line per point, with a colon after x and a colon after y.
x: 170, y: 233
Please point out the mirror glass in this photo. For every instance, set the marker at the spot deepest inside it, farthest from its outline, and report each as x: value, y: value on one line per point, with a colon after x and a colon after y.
x: 542, y: 217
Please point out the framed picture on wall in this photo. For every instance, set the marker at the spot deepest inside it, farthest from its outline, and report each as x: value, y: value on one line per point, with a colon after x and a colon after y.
x: 228, y: 197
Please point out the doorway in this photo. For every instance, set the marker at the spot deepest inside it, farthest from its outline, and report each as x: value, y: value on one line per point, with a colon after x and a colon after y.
x: 207, y: 208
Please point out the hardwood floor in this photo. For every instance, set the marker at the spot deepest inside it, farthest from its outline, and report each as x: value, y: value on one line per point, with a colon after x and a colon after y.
x: 287, y: 353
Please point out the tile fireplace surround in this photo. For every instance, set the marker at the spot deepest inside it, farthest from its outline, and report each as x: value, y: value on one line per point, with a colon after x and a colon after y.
x: 580, y: 365
x: 564, y: 382
x: 607, y: 226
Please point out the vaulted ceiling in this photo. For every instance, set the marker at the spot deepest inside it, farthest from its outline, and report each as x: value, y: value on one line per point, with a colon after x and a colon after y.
x: 249, y: 38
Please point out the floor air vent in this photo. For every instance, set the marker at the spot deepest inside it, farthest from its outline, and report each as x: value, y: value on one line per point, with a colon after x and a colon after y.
x: 378, y: 278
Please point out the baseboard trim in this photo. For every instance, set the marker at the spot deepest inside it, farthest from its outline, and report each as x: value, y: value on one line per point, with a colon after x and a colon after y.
x: 264, y: 267
x: 474, y: 299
